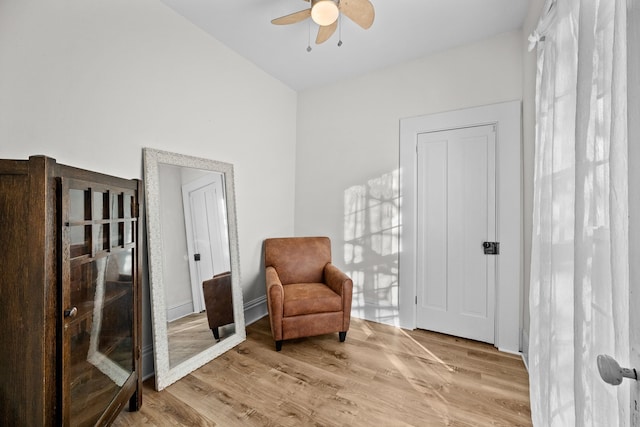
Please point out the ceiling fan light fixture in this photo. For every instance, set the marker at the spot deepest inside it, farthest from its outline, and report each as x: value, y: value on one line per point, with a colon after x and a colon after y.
x: 324, y: 12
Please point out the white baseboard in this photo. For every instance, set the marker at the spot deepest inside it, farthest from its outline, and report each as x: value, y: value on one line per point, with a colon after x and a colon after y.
x: 387, y: 315
x: 525, y: 348
x: 526, y: 363
x: 505, y: 350
x: 180, y: 310
x: 255, y: 310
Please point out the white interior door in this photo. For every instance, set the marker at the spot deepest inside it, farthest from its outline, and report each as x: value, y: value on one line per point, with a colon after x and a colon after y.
x: 207, y: 235
x: 456, y: 215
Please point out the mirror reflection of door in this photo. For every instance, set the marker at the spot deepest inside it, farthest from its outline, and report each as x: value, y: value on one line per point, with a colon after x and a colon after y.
x: 206, y: 232
x: 180, y: 273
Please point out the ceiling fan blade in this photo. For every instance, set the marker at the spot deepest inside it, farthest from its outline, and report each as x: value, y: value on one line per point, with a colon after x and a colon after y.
x: 324, y: 32
x: 359, y: 11
x: 292, y: 18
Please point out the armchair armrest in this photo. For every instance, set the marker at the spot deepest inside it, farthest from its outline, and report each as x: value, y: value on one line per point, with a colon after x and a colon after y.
x: 341, y: 284
x: 272, y: 278
x: 337, y: 280
x: 275, y: 301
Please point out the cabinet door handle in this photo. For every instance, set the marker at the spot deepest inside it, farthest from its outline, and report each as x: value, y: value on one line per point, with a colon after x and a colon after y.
x: 71, y: 312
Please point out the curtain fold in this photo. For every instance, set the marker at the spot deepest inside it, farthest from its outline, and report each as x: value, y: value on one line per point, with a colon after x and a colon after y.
x: 579, y: 262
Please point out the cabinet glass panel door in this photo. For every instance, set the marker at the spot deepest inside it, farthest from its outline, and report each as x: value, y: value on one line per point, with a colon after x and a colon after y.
x: 97, y: 298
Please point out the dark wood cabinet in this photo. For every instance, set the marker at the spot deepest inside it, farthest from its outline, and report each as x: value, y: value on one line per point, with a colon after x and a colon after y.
x: 69, y: 294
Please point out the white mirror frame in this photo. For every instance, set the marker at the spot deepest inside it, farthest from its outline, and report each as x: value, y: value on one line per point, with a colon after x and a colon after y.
x: 164, y: 373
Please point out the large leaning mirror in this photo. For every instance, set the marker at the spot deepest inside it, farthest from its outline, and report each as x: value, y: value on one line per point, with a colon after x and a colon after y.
x: 196, y: 298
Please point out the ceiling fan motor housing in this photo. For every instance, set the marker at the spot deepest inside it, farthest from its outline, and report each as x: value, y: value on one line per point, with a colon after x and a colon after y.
x: 324, y: 12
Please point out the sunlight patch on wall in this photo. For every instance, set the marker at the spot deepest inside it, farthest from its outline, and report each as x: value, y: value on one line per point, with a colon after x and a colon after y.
x: 371, y: 246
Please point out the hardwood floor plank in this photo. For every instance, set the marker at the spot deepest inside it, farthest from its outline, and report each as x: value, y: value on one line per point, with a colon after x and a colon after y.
x: 381, y: 375
x: 270, y: 387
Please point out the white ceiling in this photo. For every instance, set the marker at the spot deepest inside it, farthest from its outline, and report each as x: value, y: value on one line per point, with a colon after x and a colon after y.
x: 402, y: 30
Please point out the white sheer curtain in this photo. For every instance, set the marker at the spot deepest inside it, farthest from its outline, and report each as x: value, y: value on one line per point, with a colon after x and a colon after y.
x: 579, y: 265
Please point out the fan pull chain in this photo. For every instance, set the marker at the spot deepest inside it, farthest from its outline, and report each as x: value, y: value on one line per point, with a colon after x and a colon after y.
x: 340, y: 30
x: 309, y: 38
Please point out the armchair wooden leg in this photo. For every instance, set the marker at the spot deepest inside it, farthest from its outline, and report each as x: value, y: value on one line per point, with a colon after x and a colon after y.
x: 278, y: 345
x: 343, y: 336
x: 216, y: 333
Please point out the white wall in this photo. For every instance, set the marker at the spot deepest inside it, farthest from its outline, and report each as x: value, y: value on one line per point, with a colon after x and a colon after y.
x: 347, y: 154
x: 92, y: 82
x: 176, y: 274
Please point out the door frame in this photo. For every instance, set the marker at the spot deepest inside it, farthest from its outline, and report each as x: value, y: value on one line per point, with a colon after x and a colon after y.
x: 507, y: 118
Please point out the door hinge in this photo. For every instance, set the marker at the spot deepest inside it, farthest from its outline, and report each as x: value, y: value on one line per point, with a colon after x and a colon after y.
x: 416, y: 299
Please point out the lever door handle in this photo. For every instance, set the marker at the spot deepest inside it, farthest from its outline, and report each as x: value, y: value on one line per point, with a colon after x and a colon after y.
x: 491, y: 248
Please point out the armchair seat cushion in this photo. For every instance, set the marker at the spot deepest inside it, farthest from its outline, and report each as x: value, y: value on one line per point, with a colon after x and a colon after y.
x: 310, y: 298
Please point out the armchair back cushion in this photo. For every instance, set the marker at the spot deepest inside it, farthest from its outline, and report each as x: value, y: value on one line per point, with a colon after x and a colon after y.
x: 298, y: 259
x: 218, y: 300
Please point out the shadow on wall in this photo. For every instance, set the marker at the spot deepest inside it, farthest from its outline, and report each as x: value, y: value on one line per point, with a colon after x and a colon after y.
x: 371, y: 247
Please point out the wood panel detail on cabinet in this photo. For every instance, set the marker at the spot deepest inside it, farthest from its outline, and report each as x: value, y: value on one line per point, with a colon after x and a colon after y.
x: 69, y: 294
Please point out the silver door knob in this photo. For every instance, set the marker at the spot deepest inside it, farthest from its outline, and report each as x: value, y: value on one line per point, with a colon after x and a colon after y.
x: 611, y: 372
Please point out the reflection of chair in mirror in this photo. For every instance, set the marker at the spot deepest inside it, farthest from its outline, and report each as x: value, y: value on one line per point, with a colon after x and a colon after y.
x: 218, y: 302
x: 306, y: 294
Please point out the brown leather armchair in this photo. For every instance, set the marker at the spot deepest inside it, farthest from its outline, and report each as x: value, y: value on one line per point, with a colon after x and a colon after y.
x: 218, y: 301
x: 306, y: 294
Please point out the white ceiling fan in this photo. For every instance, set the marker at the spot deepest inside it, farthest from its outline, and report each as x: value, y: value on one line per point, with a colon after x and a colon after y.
x: 325, y: 13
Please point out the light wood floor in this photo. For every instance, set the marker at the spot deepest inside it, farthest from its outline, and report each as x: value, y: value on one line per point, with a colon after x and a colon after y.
x: 381, y: 376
